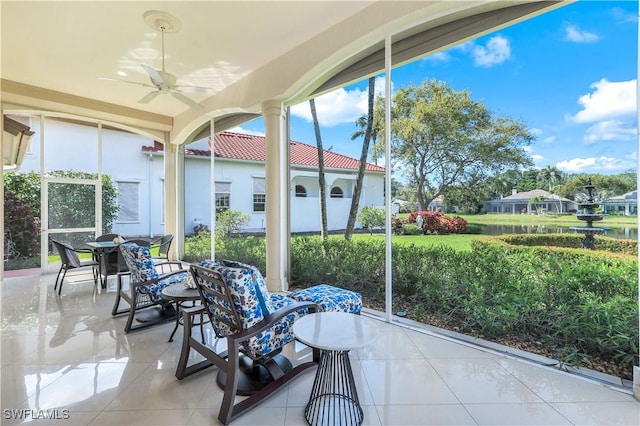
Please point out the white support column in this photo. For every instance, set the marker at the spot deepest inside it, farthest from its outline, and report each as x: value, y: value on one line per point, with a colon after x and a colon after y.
x: 276, y: 209
x: 172, y: 205
x: 212, y: 171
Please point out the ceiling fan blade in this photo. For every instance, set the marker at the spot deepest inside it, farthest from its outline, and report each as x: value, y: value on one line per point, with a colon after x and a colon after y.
x: 182, y: 98
x: 195, y: 89
x: 125, y: 81
x: 149, y: 97
x: 154, y: 74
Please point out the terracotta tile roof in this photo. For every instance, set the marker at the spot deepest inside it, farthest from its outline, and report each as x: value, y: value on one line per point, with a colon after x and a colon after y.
x: 240, y: 146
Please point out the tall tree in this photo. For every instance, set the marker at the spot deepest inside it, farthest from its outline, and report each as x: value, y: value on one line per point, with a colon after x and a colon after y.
x: 443, y: 137
x: 324, y: 230
x: 550, y: 175
x: 365, y: 123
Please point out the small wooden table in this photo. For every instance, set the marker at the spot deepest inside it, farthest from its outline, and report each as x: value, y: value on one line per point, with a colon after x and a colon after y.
x: 334, y: 398
x: 179, y: 294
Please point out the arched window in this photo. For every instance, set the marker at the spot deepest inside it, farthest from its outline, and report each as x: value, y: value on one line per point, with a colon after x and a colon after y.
x: 301, y: 191
x: 336, y: 192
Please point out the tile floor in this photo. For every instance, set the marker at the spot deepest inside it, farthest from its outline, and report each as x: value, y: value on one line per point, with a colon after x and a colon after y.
x: 67, y: 357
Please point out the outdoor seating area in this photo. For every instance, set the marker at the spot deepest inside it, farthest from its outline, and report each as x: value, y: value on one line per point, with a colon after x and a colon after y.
x: 85, y: 364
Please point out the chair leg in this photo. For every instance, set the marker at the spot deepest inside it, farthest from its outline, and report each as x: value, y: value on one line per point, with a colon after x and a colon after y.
x: 61, y: 281
x: 231, y: 386
x: 58, y: 278
x: 116, y: 303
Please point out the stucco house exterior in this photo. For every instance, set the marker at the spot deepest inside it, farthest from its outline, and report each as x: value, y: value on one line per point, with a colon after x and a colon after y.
x: 626, y: 204
x: 135, y: 164
x: 520, y: 202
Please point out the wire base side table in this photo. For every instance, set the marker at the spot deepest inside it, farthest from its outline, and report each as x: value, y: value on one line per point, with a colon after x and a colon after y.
x: 334, y: 397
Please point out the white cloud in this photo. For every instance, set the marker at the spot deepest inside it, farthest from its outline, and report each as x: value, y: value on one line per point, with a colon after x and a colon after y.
x: 527, y: 149
x: 549, y: 139
x: 623, y: 16
x: 340, y: 106
x: 537, y: 158
x: 239, y: 129
x: 535, y: 131
x: 609, y: 99
x: 439, y: 57
x: 577, y: 35
x: 596, y: 164
x: 496, y: 51
x: 609, y: 130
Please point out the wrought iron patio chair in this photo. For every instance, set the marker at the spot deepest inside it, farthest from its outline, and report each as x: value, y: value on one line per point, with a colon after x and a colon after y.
x: 256, y: 326
x: 70, y: 260
x: 145, y: 283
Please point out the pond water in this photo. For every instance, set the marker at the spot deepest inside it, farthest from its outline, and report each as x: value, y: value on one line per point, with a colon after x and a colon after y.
x: 620, y: 233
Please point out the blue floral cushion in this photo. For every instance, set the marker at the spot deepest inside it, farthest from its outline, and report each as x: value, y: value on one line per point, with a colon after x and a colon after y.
x: 330, y: 298
x: 139, y: 262
x: 261, y: 287
x: 142, y: 268
x: 245, y: 294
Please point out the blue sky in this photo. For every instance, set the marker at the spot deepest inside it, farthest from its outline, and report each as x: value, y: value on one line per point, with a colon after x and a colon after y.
x: 569, y: 74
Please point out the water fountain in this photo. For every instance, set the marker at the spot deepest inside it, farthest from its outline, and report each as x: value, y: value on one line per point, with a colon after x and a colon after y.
x: 588, y: 214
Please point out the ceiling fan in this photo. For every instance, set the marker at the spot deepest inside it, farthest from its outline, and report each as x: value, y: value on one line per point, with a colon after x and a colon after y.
x: 162, y: 81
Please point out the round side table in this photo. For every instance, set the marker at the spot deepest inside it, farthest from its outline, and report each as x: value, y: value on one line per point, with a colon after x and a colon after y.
x: 334, y: 398
x: 179, y: 294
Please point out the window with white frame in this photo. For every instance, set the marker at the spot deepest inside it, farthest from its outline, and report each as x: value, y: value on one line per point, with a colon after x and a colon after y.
x: 223, y: 195
x: 128, y: 201
x: 259, y: 194
x: 301, y: 191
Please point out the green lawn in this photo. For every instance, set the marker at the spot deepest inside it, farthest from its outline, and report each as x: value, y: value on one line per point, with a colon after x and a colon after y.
x: 460, y: 242
x: 531, y: 219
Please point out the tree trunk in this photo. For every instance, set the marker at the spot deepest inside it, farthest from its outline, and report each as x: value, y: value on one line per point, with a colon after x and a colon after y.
x: 324, y: 232
x: 357, y: 191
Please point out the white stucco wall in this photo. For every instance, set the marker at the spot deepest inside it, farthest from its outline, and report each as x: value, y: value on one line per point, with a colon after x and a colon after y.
x: 73, y: 146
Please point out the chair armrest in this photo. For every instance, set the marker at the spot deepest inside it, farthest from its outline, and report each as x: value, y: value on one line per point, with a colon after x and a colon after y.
x: 170, y: 264
x: 271, y: 319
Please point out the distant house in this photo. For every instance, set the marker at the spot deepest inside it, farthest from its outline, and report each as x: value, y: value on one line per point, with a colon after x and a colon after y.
x: 520, y: 202
x: 626, y: 204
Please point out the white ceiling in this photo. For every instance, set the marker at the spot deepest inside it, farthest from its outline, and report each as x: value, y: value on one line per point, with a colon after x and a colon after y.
x: 66, y: 46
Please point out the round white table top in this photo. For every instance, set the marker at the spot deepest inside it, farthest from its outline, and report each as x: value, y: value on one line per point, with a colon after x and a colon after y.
x: 335, y: 331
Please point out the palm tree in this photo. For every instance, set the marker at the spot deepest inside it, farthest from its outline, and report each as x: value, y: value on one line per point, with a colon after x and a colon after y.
x: 365, y: 124
x: 550, y: 175
x: 324, y: 232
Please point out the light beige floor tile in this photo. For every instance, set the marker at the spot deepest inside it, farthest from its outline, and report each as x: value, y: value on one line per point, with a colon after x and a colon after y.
x: 295, y: 416
x: 144, y: 417
x: 158, y: 388
x: 448, y: 414
x: 537, y: 414
x: 407, y: 382
x: 390, y: 345
x: 482, y: 381
x: 85, y: 387
x: 435, y: 347
x: 261, y: 415
x: 556, y: 386
x: 601, y: 413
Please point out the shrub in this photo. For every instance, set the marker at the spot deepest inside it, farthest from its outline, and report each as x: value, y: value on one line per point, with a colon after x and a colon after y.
x: 411, y: 229
x: 371, y: 217
x: 21, y: 228
x: 437, y: 223
x: 230, y: 221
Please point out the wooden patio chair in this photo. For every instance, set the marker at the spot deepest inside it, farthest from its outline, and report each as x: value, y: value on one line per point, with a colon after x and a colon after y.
x: 255, y: 324
x: 146, y: 281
